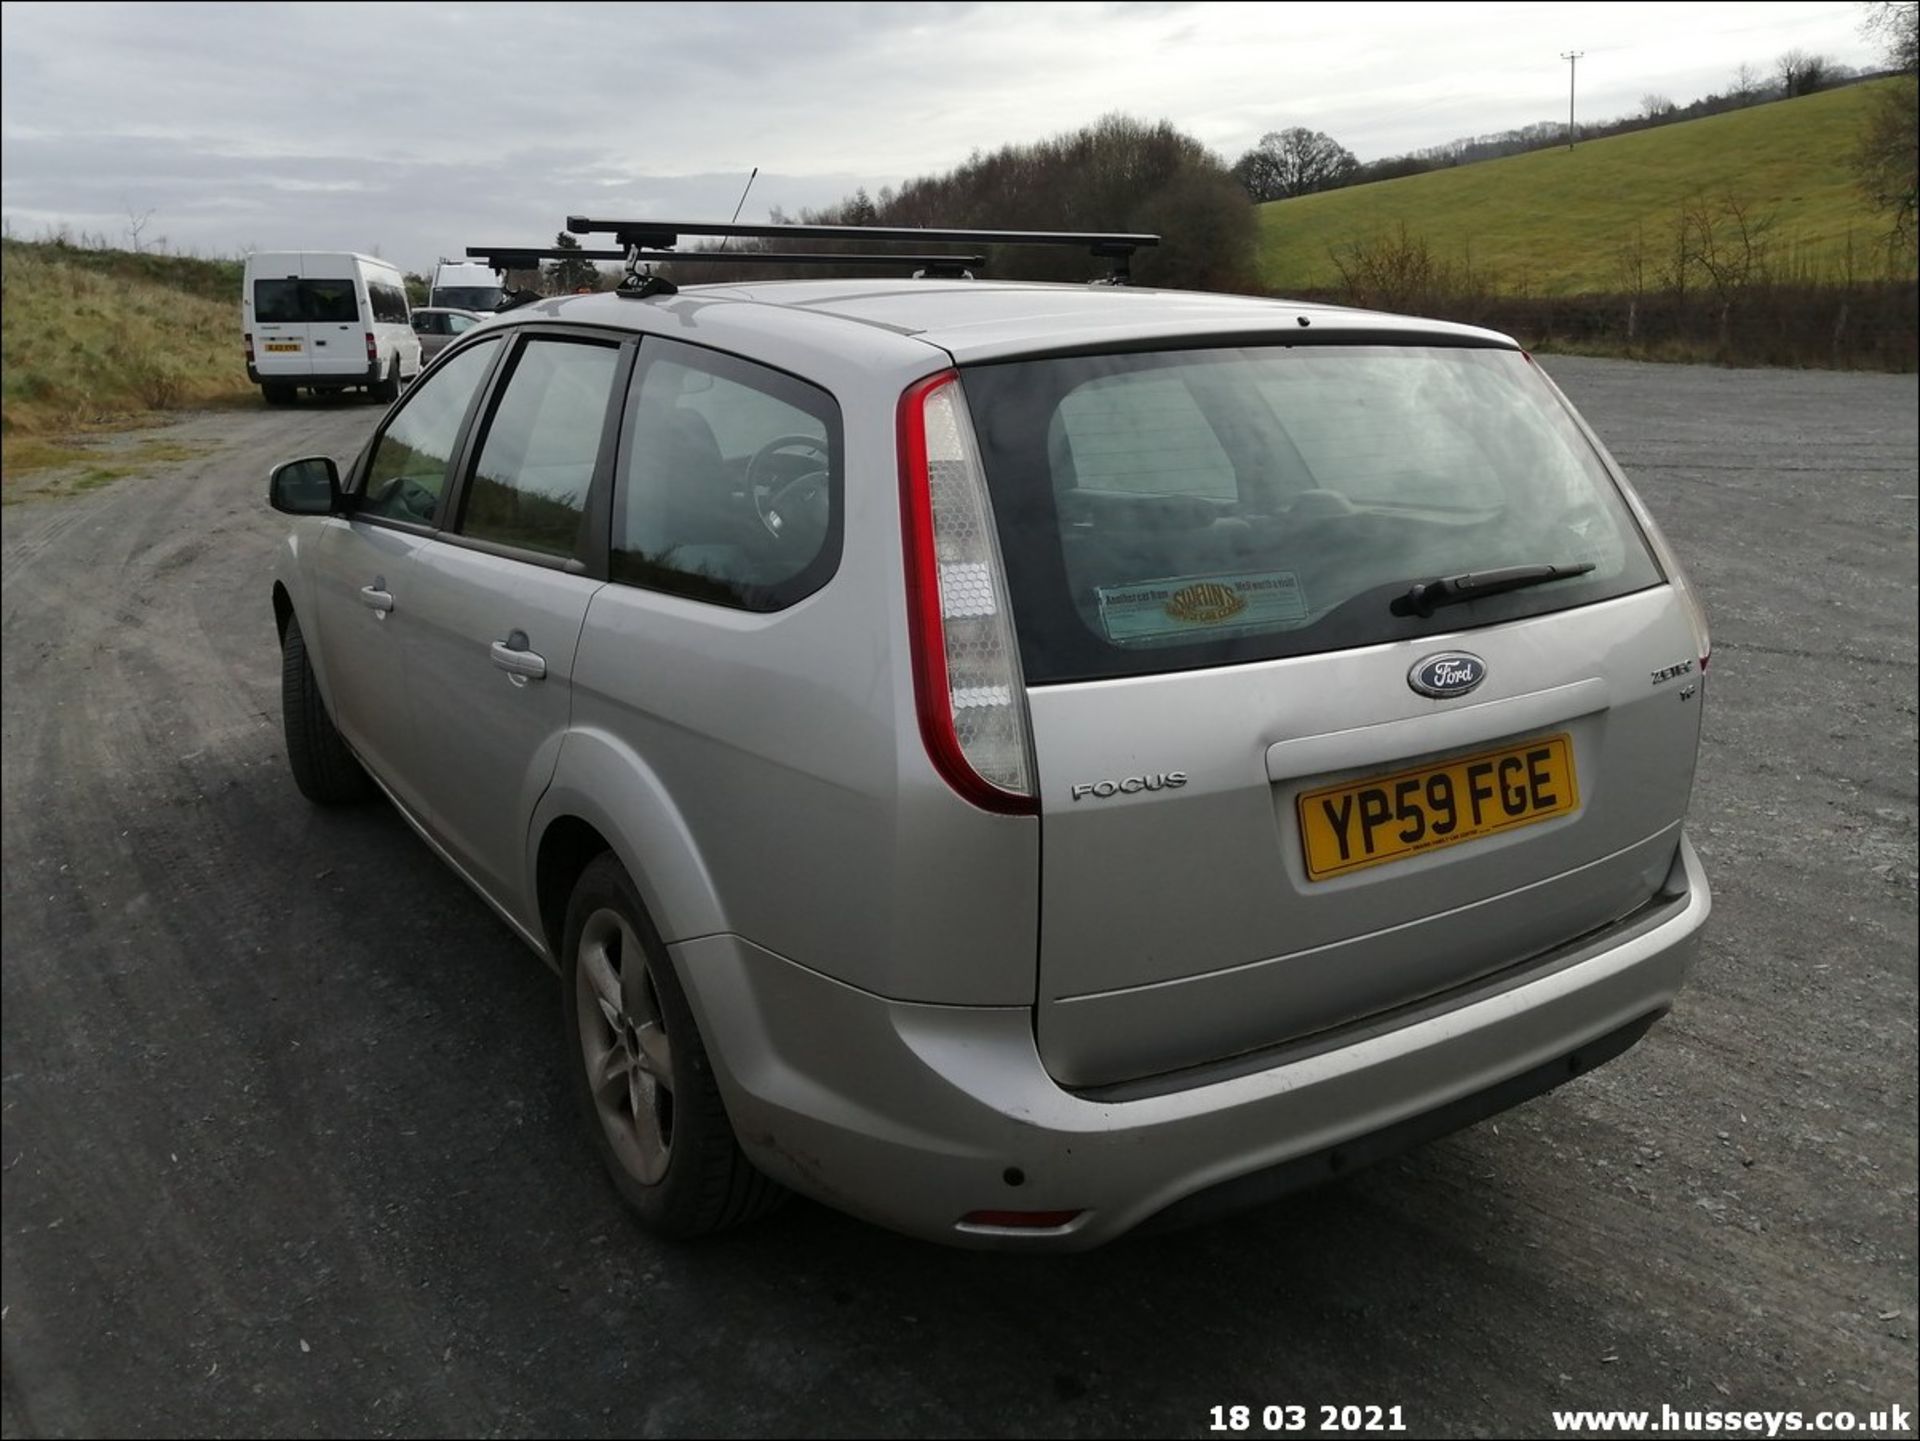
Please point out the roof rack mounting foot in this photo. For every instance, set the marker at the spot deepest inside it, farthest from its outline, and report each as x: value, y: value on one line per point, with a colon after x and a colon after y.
x: 645, y: 287
x: 640, y: 283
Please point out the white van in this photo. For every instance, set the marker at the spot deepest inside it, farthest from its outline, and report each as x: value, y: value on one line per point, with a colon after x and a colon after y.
x: 326, y: 320
x: 460, y: 285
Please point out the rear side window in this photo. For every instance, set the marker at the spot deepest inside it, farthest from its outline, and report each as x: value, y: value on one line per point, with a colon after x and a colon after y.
x: 729, y: 486
x: 389, y: 302
x: 305, y: 302
x: 1164, y: 511
x: 408, y: 472
x: 529, y: 487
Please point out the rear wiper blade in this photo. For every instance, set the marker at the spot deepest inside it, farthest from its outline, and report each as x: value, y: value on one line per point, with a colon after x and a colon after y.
x: 1426, y: 596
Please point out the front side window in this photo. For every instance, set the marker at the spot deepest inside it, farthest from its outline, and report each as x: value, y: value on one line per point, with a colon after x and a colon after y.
x: 529, y: 486
x: 729, y: 487
x: 1163, y: 511
x: 408, y: 472
x: 458, y: 324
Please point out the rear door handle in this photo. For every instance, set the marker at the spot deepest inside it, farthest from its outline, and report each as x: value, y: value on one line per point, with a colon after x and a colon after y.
x: 514, y: 656
x: 376, y: 596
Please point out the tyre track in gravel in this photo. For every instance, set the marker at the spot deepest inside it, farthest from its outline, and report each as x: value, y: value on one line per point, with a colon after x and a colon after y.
x: 160, y: 871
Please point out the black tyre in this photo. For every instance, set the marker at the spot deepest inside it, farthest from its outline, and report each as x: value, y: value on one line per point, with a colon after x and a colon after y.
x: 323, y: 767
x: 640, y: 1071
x: 277, y: 394
x: 388, y: 389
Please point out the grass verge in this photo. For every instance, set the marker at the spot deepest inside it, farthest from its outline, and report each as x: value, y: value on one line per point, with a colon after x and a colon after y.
x: 88, y: 347
x: 42, y: 468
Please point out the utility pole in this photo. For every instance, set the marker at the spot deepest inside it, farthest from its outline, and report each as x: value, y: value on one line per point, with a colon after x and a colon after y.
x: 1572, y: 57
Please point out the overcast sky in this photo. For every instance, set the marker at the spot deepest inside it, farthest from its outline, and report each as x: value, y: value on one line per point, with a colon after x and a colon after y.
x: 420, y: 129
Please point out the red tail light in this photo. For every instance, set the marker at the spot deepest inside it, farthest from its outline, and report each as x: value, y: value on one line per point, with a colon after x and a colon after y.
x: 373, y: 349
x: 249, y: 340
x: 967, y: 687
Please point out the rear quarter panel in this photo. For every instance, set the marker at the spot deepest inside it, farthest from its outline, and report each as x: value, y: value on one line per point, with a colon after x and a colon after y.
x: 764, y: 774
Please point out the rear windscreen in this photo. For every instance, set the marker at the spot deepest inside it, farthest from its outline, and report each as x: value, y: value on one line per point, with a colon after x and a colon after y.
x: 1164, y: 511
x: 467, y: 297
x: 305, y: 302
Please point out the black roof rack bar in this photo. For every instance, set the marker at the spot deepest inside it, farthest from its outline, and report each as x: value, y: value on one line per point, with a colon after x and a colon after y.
x: 1116, y: 246
x: 666, y: 232
x: 515, y: 258
x: 523, y: 257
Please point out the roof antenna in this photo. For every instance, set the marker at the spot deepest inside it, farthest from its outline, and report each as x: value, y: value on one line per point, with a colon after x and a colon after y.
x: 643, y: 284
x: 742, y: 205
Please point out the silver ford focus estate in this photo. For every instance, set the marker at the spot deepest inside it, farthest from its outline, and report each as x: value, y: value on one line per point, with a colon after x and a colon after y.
x: 1015, y: 762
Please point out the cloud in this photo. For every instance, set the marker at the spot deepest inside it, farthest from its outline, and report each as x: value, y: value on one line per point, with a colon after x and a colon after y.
x: 425, y: 128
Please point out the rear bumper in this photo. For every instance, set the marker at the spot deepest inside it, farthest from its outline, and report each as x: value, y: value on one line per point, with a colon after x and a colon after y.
x: 913, y: 1115
x: 306, y: 380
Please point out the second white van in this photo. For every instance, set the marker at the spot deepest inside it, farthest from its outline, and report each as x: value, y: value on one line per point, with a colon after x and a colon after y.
x: 461, y: 285
x: 326, y: 320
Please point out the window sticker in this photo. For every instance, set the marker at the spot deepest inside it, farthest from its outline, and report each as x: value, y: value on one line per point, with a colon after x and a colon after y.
x: 1177, y: 605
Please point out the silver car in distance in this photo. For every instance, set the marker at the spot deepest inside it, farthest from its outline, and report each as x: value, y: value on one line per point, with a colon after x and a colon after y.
x: 1016, y: 762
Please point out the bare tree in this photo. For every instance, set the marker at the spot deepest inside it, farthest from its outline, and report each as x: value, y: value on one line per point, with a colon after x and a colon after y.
x: 1394, y: 270
x: 1733, y: 242
x: 1887, y: 160
x: 1295, y: 161
x: 1746, y: 82
x: 1655, y: 106
x: 1897, y: 24
x: 137, y: 222
x: 1631, y: 260
x: 1802, y: 73
x: 1675, y: 272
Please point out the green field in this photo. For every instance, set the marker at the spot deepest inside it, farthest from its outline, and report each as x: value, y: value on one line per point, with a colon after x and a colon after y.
x: 1553, y: 222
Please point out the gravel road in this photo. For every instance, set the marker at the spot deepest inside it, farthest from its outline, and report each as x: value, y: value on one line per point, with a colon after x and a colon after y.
x: 286, y: 1148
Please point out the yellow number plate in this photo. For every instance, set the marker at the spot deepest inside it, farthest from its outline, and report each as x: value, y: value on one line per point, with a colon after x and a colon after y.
x: 1365, y: 823
x: 293, y: 345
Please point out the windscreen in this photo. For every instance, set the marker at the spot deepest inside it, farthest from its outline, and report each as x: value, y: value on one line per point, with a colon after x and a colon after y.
x: 1164, y: 511
x: 305, y: 302
x: 467, y: 297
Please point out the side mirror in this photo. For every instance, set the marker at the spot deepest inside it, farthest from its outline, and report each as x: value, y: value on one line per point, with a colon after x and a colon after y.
x: 305, y: 487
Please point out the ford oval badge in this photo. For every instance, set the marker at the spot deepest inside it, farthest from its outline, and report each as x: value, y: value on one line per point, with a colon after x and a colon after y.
x: 1451, y: 673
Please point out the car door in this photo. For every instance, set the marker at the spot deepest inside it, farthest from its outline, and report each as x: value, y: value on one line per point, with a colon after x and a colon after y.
x: 498, y: 599
x: 702, y: 655
x: 336, y: 313
x: 283, y: 344
x: 361, y: 563
x: 431, y: 327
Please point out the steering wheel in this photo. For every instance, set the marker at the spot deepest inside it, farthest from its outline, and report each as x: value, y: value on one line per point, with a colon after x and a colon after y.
x: 413, y: 497
x: 770, y: 495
